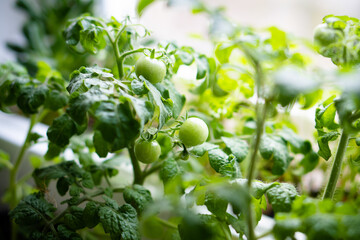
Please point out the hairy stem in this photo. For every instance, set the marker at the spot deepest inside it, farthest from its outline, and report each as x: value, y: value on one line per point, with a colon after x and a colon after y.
x: 259, y: 131
x: 261, y: 110
x: 138, y: 178
x: 336, y: 167
x: 14, y: 170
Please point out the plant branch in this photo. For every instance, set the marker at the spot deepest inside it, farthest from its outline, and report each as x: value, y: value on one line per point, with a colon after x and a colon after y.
x: 267, y: 233
x: 336, y: 167
x: 153, y: 169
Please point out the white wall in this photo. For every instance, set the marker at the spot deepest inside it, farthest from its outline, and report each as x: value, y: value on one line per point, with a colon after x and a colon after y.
x: 10, y: 28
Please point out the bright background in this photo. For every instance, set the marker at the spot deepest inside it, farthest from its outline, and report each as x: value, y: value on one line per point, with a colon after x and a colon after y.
x: 296, y: 16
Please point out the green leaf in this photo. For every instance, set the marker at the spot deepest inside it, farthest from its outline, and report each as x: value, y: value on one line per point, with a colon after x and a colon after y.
x: 75, y: 190
x: 322, y: 226
x: 92, y: 38
x: 62, y: 186
x: 167, y: 88
x: 85, y: 31
x: 259, y: 188
x: 202, y: 65
x: 200, y: 150
x: 237, y: 146
x: 5, y: 160
x: 194, y: 227
x: 87, y: 180
x: 286, y: 228
x: 165, y: 107
x: 13, y: 77
x: 216, y: 204
x: 223, y: 52
x: 142, y: 5
x: 357, y: 141
x: 217, y: 159
x: 169, y: 169
x: 56, y: 100
x: 138, y: 196
x: 120, y: 223
x: 325, y: 115
x: 101, y: 146
x: 281, y: 197
x: 290, y: 82
x: 66, y: 233
x: 116, y: 124
x: 144, y: 109
x: 323, y: 142
x: 53, y: 151
x: 310, y: 161
x: 61, y: 130
x: 298, y: 144
x: 274, y: 148
x: 351, y: 224
x: 230, y: 169
x: 33, y: 210
x: 139, y: 87
x: 90, y: 214
x: 74, y: 219
x: 31, y: 98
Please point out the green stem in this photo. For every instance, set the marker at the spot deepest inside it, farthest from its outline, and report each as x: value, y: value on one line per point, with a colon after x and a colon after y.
x: 265, y: 234
x: 260, y: 122
x: 120, y: 59
x: 138, y: 178
x: 259, y: 131
x: 336, y: 167
x: 14, y: 170
x: 166, y: 223
x: 116, y: 52
x: 153, y: 169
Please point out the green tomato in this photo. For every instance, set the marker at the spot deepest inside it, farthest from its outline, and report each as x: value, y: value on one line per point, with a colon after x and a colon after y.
x: 151, y: 69
x: 193, y: 131
x: 147, y: 151
x: 324, y: 36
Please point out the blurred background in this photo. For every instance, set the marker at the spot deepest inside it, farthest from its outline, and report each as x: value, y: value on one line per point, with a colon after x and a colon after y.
x: 177, y: 23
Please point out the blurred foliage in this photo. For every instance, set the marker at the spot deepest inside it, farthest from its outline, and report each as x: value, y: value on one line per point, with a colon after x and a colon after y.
x: 42, y: 30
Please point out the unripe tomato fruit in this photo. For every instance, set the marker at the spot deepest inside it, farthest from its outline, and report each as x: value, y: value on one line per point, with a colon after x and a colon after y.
x: 151, y: 69
x: 324, y: 36
x: 193, y: 131
x: 147, y: 151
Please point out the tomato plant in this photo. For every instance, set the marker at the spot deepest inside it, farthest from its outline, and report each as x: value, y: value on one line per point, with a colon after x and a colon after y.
x: 232, y: 146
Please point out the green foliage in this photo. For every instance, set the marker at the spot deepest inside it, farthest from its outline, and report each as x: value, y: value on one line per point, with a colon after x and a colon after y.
x: 337, y: 38
x: 43, y: 24
x: 30, y: 94
x: 138, y: 196
x: 101, y: 111
x: 318, y: 220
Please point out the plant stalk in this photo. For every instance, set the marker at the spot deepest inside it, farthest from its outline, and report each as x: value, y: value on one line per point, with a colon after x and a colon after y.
x: 14, y: 171
x: 336, y: 167
x: 260, y: 122
x: 138, y: 178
